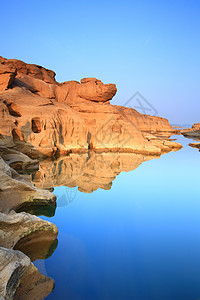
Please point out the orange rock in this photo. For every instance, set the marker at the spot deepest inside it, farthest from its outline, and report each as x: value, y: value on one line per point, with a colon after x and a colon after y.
x: 7, y: 75
x: 47, y: 118
x: 30, y: 69
x: 196, y: 126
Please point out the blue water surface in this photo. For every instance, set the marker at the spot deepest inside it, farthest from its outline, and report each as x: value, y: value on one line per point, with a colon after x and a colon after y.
x: 140, y: 240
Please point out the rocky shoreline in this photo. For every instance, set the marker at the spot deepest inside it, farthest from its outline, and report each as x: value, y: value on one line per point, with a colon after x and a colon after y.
x: 55, y: 134
x: 194, y: 134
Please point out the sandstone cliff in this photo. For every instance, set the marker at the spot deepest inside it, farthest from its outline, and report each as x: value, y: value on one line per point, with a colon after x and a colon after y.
x: 47, y: 118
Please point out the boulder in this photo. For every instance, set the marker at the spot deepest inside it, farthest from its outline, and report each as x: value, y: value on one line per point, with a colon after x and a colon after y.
x: 90, y: 89
x: 93, y: 89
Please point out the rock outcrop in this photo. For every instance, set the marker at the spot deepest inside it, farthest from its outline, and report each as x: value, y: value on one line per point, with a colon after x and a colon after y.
x: 193, y: 133
x: 195, y: 145
x: 18, y: 161
x: 7, y: 76
x: 89, y: 89
x: 16, y: 190
x: 22, y: 231
x: 20, y: 279
x: 47, y: 118
x: 29, y: 69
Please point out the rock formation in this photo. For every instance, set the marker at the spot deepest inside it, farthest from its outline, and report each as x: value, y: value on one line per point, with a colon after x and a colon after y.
x: 20, y: 230
x: 42, y: 118
x: 47, y: 118
x: 18, y: 161
x: 195, y: 145
x: 193, y: 132
x: 16, y: 190
x: 7, y: 75
x: 20, y: 279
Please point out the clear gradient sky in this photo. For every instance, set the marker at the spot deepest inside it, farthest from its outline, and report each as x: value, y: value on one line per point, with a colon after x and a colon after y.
x: 147, y: 46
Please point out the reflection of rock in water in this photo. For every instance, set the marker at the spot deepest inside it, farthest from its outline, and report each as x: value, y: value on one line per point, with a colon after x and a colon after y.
x: 88, y: 173
x: 38, y: 210
x: 37, y: 247
x: 68, y: 195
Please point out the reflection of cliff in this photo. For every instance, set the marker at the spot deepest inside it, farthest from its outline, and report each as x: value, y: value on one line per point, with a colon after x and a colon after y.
x: 88, y: 172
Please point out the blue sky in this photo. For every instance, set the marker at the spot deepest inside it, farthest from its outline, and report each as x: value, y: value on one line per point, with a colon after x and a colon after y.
x: 148, y: 46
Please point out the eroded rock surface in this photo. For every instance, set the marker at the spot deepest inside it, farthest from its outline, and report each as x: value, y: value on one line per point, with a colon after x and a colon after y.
x: 47, y: 118
x: 20, y: 279
x: 18, y: 161
x: 32, y: 70
x: 7, y: 76
x: 22, y: 228
x: 16, y: 190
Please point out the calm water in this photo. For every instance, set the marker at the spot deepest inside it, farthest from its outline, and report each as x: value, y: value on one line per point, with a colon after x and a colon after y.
x: 140, y: 240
